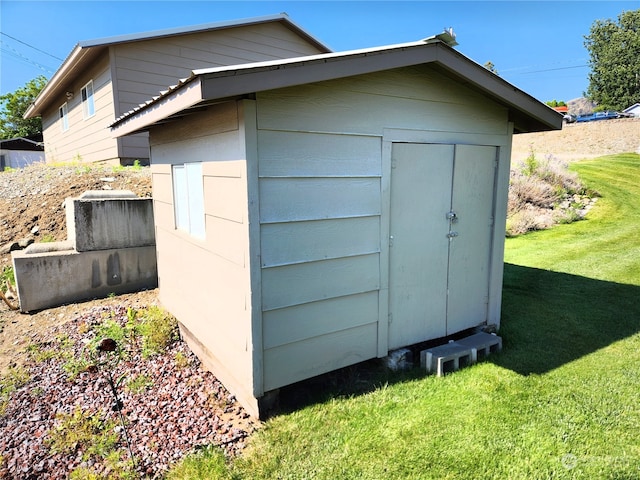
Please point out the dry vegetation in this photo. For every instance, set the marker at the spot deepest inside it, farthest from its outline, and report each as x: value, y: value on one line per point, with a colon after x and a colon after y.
x: 543, y: 190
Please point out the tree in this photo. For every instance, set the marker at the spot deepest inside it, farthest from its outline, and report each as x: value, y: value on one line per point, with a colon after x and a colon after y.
x: 614, y: 51
x: 14, y: 105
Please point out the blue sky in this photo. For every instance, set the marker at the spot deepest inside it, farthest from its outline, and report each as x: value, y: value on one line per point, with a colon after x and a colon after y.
x: 536, y: 45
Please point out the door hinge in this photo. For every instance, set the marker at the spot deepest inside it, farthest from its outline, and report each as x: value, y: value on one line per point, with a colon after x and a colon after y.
x: 391, y: 240
x: 391, y: 318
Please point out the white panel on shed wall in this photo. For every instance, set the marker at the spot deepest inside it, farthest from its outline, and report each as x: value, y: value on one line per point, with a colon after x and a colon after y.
x: 295, y: 154
x: 290, y: 199
x: 297, y: 323
x: 308, y: 282
x: 298, y: 361
x: 296, y: 242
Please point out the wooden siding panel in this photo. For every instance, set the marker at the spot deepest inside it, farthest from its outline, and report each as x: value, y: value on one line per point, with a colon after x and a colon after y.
x: 86, y: 140
x: 358, y: 105
x: 308, y: 282
x: 216, y: 119
x: 221, y: 147
x: 228, y: 239
x: 301, y: 360
x: 163, y: 215
x: 298, y: 242
x: 144, y: 68
x: 307, y: 155
x: 225, y: 198
x: 300, y: 322
x: 204, y: 301
x: 292, y: 199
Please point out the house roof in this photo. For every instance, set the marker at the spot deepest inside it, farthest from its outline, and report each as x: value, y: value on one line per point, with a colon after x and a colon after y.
x: 207, y: 86
x: 30, y: 143
x: 632, y: 107
x: 85, y: 52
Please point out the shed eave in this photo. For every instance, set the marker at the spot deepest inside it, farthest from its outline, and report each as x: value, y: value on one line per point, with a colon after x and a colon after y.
x: 154, y: 112
x: 527, y: 113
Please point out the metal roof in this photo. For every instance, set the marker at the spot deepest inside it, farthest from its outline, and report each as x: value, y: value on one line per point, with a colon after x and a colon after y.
x: 205, y: 86
x: 86, y: 51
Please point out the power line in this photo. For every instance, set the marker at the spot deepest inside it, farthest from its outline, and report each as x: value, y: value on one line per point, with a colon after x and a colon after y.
x: 30, y: 46
x: 9, y: 50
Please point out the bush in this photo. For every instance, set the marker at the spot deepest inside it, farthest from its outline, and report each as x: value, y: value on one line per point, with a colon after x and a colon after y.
x: 543, y: 193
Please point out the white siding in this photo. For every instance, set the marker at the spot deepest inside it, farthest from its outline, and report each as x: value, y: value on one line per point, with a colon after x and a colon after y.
x: 322, y: 194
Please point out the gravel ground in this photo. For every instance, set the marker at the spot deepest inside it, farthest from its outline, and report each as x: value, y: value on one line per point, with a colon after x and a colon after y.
x: 181, y: 407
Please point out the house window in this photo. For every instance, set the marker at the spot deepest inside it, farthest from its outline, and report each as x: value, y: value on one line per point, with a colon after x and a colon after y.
x: 188, y: 198
x: 63, y: 113
x: 88, y: 107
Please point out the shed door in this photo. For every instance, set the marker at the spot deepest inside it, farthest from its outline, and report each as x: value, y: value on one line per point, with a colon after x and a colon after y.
x: 441, y: 235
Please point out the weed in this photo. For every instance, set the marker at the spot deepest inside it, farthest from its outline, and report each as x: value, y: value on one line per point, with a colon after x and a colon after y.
x: 182, y: 361
x: 40, y: 354
x: 47, y: 238
x: 84, y: 433
x: 139, y: 383
x: 7, y: 275
x: 158, y: 330
x: 15, y: 378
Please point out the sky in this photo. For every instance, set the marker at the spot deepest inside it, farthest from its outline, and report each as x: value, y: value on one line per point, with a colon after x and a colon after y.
x: 538, y: 46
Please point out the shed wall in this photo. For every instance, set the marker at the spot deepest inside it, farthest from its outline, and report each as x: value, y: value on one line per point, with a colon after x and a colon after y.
x: 206, y: 283
x: 324, y: 207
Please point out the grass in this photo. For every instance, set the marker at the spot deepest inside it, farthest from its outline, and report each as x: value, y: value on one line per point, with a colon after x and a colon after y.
x: 561, y: 402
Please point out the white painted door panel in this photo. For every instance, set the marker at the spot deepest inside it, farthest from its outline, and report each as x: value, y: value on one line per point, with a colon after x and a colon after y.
x: 469, y: 253
x: 439, y: 268
x: 420, y: 196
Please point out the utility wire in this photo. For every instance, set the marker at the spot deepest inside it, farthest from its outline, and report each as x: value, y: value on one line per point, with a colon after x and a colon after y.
x: 9, y: 50
x: 30, y: 46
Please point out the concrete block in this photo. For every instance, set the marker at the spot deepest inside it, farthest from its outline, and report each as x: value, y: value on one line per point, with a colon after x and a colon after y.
x: 106, y: 222
x: 482, y: 344
x: 445, y: 358
x: 47, y: 279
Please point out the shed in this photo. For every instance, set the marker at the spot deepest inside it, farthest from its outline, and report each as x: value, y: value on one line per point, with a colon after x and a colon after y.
x: 315, y: 212
x: 21, y: 151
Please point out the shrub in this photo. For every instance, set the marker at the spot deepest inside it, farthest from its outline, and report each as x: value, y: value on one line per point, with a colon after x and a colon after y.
x: 543, y: 193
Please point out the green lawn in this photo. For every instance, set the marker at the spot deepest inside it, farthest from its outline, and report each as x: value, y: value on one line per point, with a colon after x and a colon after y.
x: 561, y: 402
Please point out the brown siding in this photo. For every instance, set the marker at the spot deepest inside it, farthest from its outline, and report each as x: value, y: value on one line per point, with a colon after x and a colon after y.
x: 145, y: 68
x: 86, y: 140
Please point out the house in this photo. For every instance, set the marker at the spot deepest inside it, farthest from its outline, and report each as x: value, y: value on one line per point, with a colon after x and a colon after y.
x: 21, y: 151
x: 633, y: 110
x: 315, y: 212
x: 101, y: 79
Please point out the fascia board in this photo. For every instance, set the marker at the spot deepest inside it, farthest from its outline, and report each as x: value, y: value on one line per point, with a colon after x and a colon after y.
x: 231, y: 83
x: 187, y: 96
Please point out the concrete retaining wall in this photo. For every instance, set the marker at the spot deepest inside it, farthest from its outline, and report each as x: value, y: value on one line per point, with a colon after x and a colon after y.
x: 55, y: 278
x: 111, y: 220
x: 110, y: 249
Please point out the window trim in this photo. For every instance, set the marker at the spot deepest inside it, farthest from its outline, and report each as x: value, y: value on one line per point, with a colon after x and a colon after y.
x: 87, y: 95
x: 63, y: 116
x: 188, y: 199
